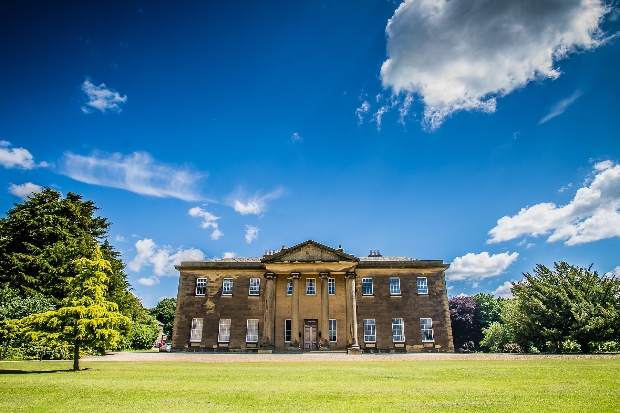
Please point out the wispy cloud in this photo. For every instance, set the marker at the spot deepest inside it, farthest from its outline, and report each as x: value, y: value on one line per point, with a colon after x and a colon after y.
x: 208, y: 221
x: 137, y: 172
x: 507, y: 45
x: 256, y: 204
x: 560, y: 107
x: 361, y: 111
x: 120, y: 238
x: 479, y: 266
x: 379, y: 114
x: 101, y: 98
x: 24, y: 191
x: 17, y: 157
x: 591, y: 215
x: 251, y: 233
x: 296, y: 138
x: 161, y: 259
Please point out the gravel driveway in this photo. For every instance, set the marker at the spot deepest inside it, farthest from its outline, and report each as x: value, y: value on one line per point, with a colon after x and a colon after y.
x: 319, y: 357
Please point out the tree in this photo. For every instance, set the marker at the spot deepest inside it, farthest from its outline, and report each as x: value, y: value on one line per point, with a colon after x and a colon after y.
x: 465, y: 329
x: 164, y: 313
x: 489, y: 309
x: 85, y: 318
x: 566, y: 303
x: 42, y: 237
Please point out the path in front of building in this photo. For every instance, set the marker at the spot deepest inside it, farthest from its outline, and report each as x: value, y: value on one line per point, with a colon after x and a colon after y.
x: 318, y: 357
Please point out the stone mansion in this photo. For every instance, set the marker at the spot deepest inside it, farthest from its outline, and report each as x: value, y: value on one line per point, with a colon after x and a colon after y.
x: 313, y: 297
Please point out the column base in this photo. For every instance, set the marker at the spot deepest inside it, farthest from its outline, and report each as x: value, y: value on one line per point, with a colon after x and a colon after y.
x: 325, y: 347
x: 354, y: 350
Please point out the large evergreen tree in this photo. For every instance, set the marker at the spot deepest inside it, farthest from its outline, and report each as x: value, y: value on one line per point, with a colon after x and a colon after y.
x: 565, y: 303
x: 42, y: 237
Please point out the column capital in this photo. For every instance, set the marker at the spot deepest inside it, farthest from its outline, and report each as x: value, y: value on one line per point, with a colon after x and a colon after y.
x: 269, y: 275
x: 324, y: 275
x: 295, y: 275
x: 351, y: 275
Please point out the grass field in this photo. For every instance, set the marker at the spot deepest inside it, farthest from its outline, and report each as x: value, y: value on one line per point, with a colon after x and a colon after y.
x: 569, y: 385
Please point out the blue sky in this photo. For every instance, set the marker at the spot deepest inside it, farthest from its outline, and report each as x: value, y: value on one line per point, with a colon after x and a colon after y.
x: 483, y: 133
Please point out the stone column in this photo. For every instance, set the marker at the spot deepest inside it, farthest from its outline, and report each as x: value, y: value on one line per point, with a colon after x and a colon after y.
x: 352, y: 310
x: 295, y: 311
x: 324, y: 344
x: 270, y: 311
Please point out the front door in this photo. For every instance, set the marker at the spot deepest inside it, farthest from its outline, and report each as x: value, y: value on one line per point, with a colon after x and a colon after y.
x: 310, y: 341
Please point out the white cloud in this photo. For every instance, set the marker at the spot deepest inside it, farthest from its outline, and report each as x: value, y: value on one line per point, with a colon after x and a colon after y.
x: 404, y: 109
x: 478, y: 266
x: 379, y: 114
x: 504, y: 290
x: 251, y: 233
x: 208, y: 221
x: 148, y: 282
x: 591, y: 215
x: 560, y: 107
x: 100, y: 97
x: 361, y: 111
x: 229, y: 254
x: 256, y: 204
x: 120, y: 238
x: 564, y: 188
x: 462, y: 55
x: 17, y: 157
x: 296, y: 138
x: 24, y: 191
x: 162, y: 259
x: 137, y: 172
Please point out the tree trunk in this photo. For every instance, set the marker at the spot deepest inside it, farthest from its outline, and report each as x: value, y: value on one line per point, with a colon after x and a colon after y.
x: 585, y: 346
x: 76, y: 357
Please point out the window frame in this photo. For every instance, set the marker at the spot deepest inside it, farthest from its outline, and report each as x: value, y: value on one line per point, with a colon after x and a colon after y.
x: 289, y: 287
x: 333, y: 328
x: 201, y: 283
x: 227, y: 282
x: 370, y: 322
x: 254, y: 289
x: 310, y: 282
x: 331, y: 286
x: 253, y: 336
x: 365, y: 287
x: 393, y: 291
x: 287, y: 321
x: 425, y: 328
x: 398, y: 338
x: 221, y: 337
x: 422, y: 291
x: 193, y: 336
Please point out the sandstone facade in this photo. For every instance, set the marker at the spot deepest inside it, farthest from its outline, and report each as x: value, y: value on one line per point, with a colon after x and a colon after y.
x: 313, y: 297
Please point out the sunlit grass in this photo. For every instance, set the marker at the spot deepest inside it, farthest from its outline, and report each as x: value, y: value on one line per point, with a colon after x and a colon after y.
x: 445, y: 385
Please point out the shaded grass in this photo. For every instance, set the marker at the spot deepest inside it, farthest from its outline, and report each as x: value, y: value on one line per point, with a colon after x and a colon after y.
x: 444, y: 385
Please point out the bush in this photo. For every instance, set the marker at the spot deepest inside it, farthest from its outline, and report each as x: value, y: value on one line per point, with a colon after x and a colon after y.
x: 496, y: 336
x: 606, y: 347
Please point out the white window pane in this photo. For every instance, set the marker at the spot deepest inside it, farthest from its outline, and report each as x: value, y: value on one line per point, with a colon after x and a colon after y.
x: 366, y: 286
x: 398, y: 334
x: 289, y: 288
x: 254, y: 286
x: 422, y: 286
x: 224, y: 331
x: 252, y: 332
x: 394, y: 286
x: 333, y: 331
x: 331, y: 286
x: 310, y: 286
x: 196, y: 331
x: 426, y: 325
x: 201, y: 286
x: 227, y: 286
x: 370, y: 335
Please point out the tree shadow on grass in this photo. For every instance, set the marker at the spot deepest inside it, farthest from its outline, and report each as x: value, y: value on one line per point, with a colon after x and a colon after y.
x: 38, y: 371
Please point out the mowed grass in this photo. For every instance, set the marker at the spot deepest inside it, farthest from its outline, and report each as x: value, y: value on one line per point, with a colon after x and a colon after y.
x: 554, y: 385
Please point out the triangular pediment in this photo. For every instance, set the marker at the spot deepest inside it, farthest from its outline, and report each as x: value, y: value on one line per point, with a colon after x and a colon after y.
x: 309, y: 251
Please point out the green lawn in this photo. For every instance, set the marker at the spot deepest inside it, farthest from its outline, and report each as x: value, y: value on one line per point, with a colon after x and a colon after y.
x: 562, y: 385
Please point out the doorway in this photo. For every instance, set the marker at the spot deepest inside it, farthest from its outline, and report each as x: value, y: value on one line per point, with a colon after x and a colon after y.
x: 310, y: 339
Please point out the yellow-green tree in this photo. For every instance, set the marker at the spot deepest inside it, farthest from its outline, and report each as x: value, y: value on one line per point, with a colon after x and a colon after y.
x: 85, y: 319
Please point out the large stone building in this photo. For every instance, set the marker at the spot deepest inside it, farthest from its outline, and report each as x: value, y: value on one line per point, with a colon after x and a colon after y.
x: 312, y: 297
